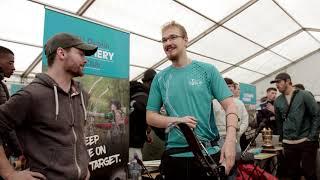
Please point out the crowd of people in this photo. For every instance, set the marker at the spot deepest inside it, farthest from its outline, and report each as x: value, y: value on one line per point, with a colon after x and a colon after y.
x: 43, y: 123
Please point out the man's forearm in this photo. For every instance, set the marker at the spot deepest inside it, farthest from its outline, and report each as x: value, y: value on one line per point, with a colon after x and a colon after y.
x: 231, y: 118
x: 160, y: 121
x: 5, y: 168
x: 232, y: 122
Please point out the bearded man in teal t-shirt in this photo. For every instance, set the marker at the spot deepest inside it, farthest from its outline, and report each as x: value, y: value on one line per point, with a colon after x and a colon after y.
x: 186, y: 90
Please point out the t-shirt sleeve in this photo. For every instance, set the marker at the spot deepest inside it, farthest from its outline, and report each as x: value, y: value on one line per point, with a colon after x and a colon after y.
x: 219, y: 88
x: 155, y: 98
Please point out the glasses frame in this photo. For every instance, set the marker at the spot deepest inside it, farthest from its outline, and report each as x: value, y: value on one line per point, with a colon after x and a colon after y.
x: 172, y: 37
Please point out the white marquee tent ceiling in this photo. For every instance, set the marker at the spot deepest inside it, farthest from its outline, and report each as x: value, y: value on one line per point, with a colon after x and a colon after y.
x: 245, y: 40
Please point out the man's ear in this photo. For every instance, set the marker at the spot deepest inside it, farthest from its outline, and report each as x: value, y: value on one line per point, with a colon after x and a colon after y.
x: 60, y: 52
x: 186, y: 40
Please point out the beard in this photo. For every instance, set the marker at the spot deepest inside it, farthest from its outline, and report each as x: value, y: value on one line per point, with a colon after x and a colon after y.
x: 282, y: 89
x: 173, y: 54
x: 173, y: 57
x: 75, y: 71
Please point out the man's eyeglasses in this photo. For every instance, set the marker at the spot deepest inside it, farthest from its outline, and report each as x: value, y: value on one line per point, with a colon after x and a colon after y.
x: 170, y: 38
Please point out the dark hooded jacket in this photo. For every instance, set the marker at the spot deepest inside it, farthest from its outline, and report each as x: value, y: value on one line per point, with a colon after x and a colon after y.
x: 137, y: 120
x: 49, y: 123
x: 8, y: 140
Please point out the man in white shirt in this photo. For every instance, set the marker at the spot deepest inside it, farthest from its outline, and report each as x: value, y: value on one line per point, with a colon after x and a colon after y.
x: 243, y: 120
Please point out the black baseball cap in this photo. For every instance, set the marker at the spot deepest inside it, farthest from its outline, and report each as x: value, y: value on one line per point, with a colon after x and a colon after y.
x: 65, y: 40
x: 281, y: 76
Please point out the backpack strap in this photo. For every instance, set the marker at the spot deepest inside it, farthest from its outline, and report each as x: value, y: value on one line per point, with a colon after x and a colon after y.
x: 291, y: 101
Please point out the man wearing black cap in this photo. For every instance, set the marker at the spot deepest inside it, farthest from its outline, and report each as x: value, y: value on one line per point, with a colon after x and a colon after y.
x: 298, y: 122
x: 49, y: 114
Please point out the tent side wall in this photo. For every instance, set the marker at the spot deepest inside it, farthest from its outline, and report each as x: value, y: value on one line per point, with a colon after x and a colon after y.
x: 305, y: 72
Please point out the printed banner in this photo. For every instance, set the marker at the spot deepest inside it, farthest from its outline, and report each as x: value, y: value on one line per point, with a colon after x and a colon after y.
x: 112, y: 57
x: 106, y: 80
x: 248, y: 97
x: 14, y: 87
x: 248, y: 93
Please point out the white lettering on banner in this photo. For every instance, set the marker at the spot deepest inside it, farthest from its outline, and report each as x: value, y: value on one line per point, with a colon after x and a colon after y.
x: 101, y: 150
x: 103, y: 162
x: 248, y: 95
x: 246, y: 99
x: 92, y: 140
x: 104, y: 55
x: 90, y: 152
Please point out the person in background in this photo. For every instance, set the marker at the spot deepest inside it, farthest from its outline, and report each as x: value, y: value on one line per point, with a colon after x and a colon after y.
x: 137, y: 121
x: 9, y: 144
x: 297, y: 116
x: 186, y: 89
x: 243, y: 122
x: 49, y: 115
x: 299, y: 86
x: 236, y: 92
x: 154, y: 147
x: 266, y: 110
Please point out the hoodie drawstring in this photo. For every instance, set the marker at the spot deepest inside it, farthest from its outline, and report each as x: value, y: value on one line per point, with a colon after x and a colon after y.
x: 56, y: 100
x: 83, y: 106
x: 57, y: 103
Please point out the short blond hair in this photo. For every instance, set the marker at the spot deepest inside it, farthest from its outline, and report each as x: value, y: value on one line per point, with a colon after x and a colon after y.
x: 177, y: 25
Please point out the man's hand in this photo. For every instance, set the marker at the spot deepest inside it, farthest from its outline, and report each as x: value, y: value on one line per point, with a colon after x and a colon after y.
x: 228, y: 154
x: 148, y: 134
x: 149, y: 138
x: 25, y: 175
x: 189, y: 120
x: 270, y: 107
x: 88, y: 175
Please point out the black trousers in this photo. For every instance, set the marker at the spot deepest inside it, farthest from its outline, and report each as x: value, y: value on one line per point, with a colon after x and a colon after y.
x: 186, y: 168
x: 300, y: 159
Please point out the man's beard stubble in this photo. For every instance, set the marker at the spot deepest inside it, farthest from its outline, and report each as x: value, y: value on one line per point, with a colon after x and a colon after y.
x: 75, y: 72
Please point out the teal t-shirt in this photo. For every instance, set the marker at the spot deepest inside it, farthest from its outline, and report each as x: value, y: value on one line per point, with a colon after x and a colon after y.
x: 189, y: 91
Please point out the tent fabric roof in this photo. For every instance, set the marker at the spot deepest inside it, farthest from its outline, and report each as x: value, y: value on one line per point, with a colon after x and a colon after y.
x: 245, y: 40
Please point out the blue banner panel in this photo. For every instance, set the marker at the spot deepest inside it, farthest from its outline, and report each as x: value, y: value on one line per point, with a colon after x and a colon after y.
x: 248, y: 93
x: 13, y: 88
x: 105, y: 79
x: 112, y: 57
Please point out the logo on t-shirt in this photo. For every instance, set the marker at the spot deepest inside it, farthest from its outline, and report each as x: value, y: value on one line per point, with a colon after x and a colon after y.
x: 195, y: 82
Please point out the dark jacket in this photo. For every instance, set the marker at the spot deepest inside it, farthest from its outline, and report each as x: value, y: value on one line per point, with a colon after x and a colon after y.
x: 137, y: 120
x: 49, y: 123
x: 4, y: 96
x: 303, y: 118
x: 8, y: 140
x: 263, y: 114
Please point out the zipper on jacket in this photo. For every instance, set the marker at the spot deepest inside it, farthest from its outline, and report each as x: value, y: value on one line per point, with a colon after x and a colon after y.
x: 75, y: 139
